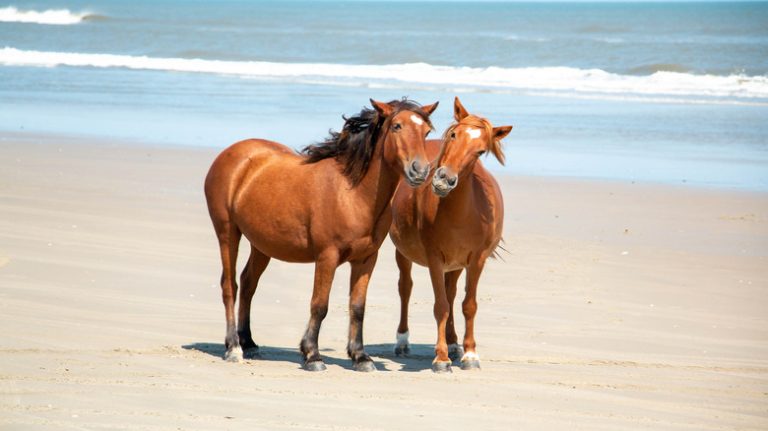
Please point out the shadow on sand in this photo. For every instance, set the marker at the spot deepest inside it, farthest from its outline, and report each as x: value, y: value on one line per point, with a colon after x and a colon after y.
x: 419, y: 359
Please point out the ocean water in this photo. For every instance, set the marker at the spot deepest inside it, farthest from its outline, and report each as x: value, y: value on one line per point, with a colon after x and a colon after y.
x: 663, y: 92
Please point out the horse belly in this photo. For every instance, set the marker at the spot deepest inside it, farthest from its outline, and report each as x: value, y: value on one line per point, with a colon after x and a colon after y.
x: 285, y: 248
x: 406, y: 237
x: 414, y: 252
x: 419, y: 252
x: 460, y: 243
x: 276, y: 236
x: 455, y: 259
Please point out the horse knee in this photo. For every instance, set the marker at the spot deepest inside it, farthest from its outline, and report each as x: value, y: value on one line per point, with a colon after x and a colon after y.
x: 469, y: 307
x: 440, y: 310
x: 228, y: 290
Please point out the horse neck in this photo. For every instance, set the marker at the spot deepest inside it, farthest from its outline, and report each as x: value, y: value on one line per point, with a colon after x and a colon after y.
x: 378, y: 185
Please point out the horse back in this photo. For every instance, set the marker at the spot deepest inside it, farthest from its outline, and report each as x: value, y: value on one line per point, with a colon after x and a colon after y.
x: 230, y: 167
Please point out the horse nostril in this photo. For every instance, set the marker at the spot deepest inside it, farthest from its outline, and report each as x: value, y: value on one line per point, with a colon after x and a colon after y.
x: 440, y: 173
x: 451, y: 181
x: 415, y: 166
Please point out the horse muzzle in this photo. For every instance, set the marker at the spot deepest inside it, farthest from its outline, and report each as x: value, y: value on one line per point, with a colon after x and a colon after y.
x: 443, y: 182
x: 416, y: 173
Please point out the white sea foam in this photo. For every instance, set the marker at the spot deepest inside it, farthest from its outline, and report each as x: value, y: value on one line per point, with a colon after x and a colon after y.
x: 557, y: 79
x: 51, y: 16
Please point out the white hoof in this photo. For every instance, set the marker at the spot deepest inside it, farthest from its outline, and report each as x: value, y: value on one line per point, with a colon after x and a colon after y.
x: 470, y: 356
x: 234, y: 354
x: 401, y: 345
x: 470, y: 361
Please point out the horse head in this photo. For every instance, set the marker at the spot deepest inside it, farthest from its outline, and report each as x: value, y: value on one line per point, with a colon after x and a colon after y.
x: 404, y: 132
x: 468, y: 138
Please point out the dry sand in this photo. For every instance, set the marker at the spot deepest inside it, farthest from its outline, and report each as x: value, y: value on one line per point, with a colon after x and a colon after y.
x: 619, y: 306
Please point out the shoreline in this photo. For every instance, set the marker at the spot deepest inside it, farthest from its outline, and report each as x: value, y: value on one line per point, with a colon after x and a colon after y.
x: 617, y: 306
x: 44, y: 138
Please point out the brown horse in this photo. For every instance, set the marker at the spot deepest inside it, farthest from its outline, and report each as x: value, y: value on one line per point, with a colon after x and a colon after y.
x: 455, y: 226
x: 328, y: 205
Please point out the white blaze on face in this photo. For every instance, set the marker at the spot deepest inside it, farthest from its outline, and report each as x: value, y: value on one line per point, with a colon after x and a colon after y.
x: 416, y: 119
x: 473, y: 133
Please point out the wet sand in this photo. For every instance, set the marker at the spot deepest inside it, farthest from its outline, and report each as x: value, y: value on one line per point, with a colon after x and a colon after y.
x: 617, y: 306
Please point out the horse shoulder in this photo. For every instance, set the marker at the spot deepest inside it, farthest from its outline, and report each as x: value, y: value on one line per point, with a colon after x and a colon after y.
x: 338, y: 218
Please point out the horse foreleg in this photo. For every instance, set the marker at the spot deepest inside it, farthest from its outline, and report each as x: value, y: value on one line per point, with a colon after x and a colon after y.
x: 404, y: 287
x: 471, y: 360
x: 325, y: 268
x: 441, y: 363
x: 229, y: 240
x: 454, y: 350
x: 249, y: 281
x: 358, y: 288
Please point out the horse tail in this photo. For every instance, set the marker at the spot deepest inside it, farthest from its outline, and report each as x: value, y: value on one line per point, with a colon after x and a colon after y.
x: 495, y: 253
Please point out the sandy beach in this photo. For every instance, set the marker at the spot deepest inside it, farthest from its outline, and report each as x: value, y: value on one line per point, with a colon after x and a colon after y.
x: 619, y: 306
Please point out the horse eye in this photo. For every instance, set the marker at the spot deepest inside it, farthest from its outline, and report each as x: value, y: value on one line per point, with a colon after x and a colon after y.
x: 453, y: 135
x: 397, y: 127
x: 428, y: 132
x: 480, y: 153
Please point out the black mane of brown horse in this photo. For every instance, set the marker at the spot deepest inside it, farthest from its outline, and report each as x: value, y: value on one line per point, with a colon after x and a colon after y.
x: 355, y: 144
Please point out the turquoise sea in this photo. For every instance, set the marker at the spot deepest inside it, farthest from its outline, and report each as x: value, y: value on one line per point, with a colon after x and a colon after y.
x: 662, y: 92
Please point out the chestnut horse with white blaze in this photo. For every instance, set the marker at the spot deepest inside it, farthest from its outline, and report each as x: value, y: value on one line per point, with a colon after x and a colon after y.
x: 455, y: 226
x: 328, y: 205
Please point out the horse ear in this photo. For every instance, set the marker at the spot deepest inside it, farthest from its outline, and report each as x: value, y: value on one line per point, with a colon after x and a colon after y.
x: 498, y: 134
x: 382, y: 108
x: 458, y: 110
x: 429, y: 109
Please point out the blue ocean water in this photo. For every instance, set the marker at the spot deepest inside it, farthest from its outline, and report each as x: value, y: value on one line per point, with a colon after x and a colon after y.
x: 667, y: 92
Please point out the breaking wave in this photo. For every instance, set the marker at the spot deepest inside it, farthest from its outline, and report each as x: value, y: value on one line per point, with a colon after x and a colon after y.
x: 50, y: 16
x: 567, y: 79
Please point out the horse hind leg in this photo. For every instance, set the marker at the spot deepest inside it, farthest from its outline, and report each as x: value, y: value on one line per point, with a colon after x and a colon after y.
x: 325, y: 268
x: 229, y: 240
x: 441, y: 363
x: 404, y: 287
x: 471, y: 360
x: 454, y: 349
x: 358, y: 288
x: 249, y: 281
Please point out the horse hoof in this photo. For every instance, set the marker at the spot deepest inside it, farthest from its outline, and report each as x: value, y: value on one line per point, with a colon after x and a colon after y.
x: 441, y: 367
x: 402, y: 348
x: 234, y: 354
x: 314, y: 366
x: 251, y: 352
x: 365, y: 366
x: 470, y: 364
x: 455, y: 352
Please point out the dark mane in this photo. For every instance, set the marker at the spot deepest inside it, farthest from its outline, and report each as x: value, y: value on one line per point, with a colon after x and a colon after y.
x: 354, y: 146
